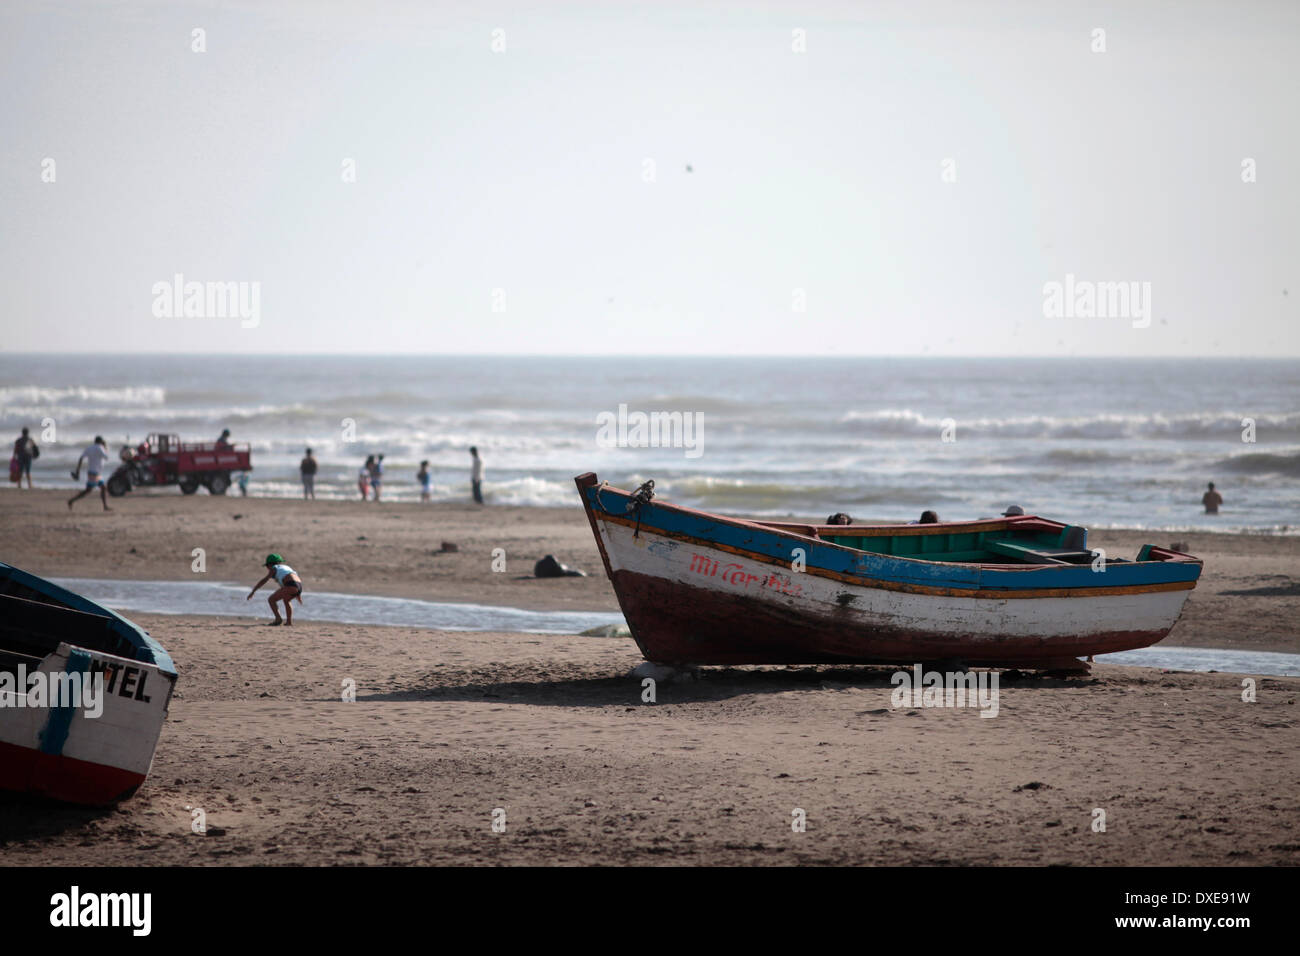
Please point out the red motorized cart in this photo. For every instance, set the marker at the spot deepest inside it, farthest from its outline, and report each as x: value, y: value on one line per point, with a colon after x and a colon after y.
x: 166, y: 460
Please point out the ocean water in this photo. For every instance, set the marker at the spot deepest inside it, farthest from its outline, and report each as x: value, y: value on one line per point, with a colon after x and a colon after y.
x: 221, y: 599
x: 1099, y: 442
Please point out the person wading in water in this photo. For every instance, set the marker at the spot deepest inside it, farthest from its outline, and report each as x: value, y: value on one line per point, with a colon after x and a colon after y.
x: 1212, y: 499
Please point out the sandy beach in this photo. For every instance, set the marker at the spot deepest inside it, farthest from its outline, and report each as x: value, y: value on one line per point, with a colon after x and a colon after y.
x: 447, y: 727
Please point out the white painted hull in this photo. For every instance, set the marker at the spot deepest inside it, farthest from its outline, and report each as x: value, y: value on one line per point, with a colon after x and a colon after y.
x: 66, y: 754
x: 688, y: 601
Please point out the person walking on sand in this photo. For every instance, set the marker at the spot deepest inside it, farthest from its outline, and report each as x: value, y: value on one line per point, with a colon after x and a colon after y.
x: 377, y: 475
x: 307, y: 469
x: 289, y: 586
x: 425, y: 479
x: 363, y: 477
x: 476, y: 474
x: 1212, y: 499
x: 94, y: 456
x: 25, y: 452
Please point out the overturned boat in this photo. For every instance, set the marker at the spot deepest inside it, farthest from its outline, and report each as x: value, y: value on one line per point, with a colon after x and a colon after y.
x: 1022, y: 591
x: 83, y: 694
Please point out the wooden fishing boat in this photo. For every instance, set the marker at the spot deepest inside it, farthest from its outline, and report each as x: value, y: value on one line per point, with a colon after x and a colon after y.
x: 56, y: 744
x: 1022, y: 591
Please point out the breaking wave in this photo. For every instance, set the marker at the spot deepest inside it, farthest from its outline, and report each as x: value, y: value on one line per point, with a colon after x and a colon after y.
x: 1193, y: 425
x: 129, y: 396
x: 1261, y: 463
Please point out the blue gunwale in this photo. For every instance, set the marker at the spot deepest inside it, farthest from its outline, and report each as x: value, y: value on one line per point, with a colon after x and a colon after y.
x: 148, y: 650
x: 746, y: 536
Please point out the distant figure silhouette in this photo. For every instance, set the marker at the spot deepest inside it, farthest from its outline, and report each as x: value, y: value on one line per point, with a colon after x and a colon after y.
x: 363, y: 477
x: 25, y: 452
x: 929, y: 517
x: 425, y: 479
x: 476, y: 475
x: 307, y: 471
x: 839, y: 518
x: 1212, y: 499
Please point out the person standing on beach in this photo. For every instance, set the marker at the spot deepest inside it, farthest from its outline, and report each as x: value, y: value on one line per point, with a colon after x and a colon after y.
x: 363, y: 477
x: 94, y: 456
x: 476, y: 475
x: 307, y: 469
x: 377, y: 475
x: 290, y: 587
x: 1212, y: 499
x: 425, y: 479
x: 25, y: 452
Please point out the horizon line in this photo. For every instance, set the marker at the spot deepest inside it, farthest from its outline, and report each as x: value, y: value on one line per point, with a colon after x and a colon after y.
x: 650, y: 355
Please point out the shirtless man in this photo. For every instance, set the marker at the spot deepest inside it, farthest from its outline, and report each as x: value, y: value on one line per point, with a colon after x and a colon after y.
x: 1212, y: 499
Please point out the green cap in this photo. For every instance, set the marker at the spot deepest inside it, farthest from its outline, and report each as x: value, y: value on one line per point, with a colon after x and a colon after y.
x: 274, y: 559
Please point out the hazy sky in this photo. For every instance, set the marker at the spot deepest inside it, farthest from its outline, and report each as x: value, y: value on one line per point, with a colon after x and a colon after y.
x: 524, y: 170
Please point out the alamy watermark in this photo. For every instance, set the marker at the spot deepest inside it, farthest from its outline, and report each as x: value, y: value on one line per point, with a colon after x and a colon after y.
x: 626, y: 429
x: 57, y: 690
x: 128, y: 910
x: 179, y: 299
x: 1085, y: 299
x: 915, y: 688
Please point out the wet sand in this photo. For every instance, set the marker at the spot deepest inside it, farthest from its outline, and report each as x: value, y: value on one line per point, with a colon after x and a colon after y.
x: 448, y: 727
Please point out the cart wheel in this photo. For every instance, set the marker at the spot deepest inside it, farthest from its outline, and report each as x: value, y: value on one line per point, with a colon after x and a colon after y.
x: 118, y: 486
x: 218, y: 482
x: 189, y: 484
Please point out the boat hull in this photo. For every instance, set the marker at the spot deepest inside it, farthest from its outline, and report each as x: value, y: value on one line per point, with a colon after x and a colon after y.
x: 693, y: 591
x: 64, y: 753
x: 27, y: 770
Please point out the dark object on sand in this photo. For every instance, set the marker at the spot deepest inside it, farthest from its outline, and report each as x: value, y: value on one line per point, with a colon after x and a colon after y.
x: 548, y: 567
x: 449, y: 546
x: 839, y: 518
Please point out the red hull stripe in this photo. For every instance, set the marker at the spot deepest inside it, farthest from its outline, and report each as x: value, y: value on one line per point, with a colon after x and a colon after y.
x: 908, y: 588
x: 25, y: 770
